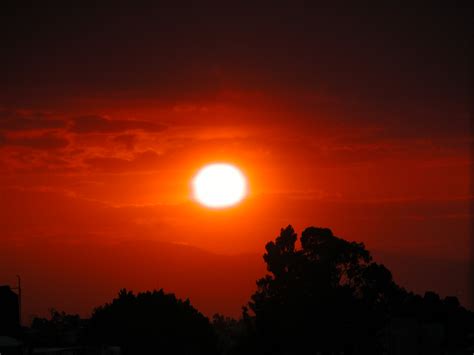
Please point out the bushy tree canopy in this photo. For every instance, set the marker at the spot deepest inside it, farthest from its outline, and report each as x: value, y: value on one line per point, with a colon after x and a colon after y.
x: 152, y: 322
x: 327, y: 294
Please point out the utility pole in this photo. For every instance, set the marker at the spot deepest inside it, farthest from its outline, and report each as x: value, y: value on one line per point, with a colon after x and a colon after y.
x: 19, y: 298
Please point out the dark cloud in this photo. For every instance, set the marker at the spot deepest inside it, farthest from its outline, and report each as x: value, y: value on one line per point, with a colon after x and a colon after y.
x: 143, y: 161
x: 16, y: 121
x: 98, y: 124
x: 45, y: 141
x: 126, y: 140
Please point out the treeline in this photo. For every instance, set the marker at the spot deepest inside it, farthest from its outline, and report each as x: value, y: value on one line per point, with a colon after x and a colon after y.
x: 321, y: 293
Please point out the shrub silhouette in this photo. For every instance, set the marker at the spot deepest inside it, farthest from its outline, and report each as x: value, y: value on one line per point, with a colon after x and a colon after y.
x: 152, y: 322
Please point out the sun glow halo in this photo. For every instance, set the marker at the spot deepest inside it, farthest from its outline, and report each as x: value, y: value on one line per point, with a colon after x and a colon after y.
x: 219, y: 185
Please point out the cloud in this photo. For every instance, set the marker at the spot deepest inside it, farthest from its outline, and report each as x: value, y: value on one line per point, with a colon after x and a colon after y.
x: 17, y: 121
x: 98, y: 124
x: 144, y: 161
x: 126, y: 140
x: 46, y: 141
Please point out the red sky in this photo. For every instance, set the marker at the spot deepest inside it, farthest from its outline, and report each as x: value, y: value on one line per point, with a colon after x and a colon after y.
x: 340, y: 117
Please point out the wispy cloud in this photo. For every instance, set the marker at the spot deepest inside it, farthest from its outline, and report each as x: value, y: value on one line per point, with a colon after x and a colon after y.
x: 98, y: 124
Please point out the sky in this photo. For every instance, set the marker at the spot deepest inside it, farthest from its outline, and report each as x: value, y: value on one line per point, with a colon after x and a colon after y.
x: 351, y: 118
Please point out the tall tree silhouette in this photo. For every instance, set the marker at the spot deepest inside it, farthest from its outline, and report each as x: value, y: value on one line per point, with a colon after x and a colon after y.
x: 152, y: 322
x: 327, y: 295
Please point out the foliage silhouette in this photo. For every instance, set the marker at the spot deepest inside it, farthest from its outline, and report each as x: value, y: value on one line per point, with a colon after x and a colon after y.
x: 322, y: 294
x: 60, y: 330
x: 152, y: 322
x: 328, y: 295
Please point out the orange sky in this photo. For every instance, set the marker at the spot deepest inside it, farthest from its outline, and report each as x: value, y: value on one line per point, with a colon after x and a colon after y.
x: 97, y: 152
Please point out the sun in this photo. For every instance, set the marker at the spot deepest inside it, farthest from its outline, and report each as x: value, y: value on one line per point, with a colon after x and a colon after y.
x: 219, y: 185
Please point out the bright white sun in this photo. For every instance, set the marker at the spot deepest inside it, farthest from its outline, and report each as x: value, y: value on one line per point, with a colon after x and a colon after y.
x: 219, y: 185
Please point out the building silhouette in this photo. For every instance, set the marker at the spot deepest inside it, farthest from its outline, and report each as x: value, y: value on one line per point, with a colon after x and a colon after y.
x: 9, y: 311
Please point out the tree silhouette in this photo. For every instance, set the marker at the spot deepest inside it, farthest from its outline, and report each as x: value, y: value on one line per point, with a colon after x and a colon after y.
x: 322, y: 294
x: 152, y: 322
x: 60, y: 330
x: 328, y: 295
